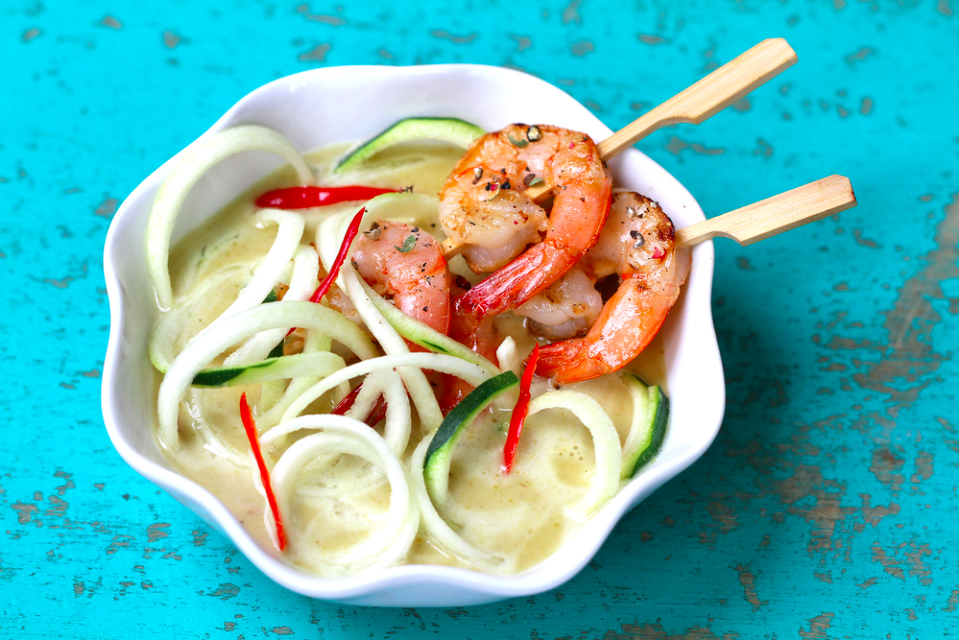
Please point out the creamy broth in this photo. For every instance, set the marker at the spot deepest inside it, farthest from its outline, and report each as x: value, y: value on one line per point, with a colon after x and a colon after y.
x: 338, y: 502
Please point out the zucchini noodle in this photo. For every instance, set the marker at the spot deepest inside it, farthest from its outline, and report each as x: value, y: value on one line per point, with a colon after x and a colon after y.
x: 170, y: 326
x: 424, y: 335
x: 211, y: 441
x: 467, y: 371
x: 265, y: 278
x: 239, y: 327
x: 282, y: 368
x: 267, y: 274
x: 196, y: 160
x: 605, y: 444
x: 329, y: 237
x: 306, y: 268
x: 270, y: 416
x: 391, y: 541
x: 438, y: 531
x: 398, y: 424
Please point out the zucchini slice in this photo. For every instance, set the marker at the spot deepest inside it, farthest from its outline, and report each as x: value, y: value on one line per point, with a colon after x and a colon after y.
x: 452, y: 130
x: 648, y: 430
x: 436, y: 467
x: 295, y: 366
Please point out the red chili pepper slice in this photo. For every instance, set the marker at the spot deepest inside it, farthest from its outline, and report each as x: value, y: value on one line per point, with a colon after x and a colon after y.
x: 250, y: 426
x: 519, y: 411
x: 351, y: 232
x: 377, y: 414
x: 306, y: 197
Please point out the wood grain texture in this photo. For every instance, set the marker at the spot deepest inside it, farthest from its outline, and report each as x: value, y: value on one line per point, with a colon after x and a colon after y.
x: 774, y: 215
x: 827, y: 506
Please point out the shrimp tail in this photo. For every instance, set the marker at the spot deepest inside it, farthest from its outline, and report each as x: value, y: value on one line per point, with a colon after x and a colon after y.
x: 626, y: 326
x: 515, y: 283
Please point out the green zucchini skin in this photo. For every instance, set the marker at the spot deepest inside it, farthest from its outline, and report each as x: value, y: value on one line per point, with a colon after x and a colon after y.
x: 224, y: 376
x: 440, y: 452
x: 280, y: 368
x: 277, y: 351
x: 452, y: 130
x: 654, y: 422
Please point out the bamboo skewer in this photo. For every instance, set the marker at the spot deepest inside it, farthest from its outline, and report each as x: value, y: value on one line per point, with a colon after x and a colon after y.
x: 693, y: 105
x: 774, y: 215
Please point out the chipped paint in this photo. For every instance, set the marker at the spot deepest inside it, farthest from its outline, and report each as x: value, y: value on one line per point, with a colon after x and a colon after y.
x: 107, y: 208
x: 651, y: 39
x: 111, y: 22
x: 818, y: 626
x: 316, y: 54
x: 748, y: 580
x: 582, y: 47
x: 334, y: 21
x: 171, y: 40
x: 571, y: 12
x: 446, y: 35
x: 677, y: 145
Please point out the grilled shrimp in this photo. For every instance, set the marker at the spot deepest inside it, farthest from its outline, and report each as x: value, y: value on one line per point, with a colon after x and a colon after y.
x: 484, y: 206
x: 637, y: 243
x: 478, y: 334
x: 565, y: 309
x: 407, y: 265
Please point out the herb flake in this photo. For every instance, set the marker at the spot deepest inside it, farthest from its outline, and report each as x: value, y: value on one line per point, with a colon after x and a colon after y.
x: 408, y: 244
x: 517, y: 143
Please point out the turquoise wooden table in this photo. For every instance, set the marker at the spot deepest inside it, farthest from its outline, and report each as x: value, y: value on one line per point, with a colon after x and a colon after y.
x: 826, y: 508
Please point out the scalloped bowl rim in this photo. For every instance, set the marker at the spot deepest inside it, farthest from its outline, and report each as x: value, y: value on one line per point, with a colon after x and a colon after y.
x: 470, y: 92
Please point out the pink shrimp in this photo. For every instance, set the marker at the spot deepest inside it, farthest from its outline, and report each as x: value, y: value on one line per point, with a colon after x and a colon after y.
x: 638, y: 243
x: 408, y: 266
x: 483, y: 206
x: 478, y: 334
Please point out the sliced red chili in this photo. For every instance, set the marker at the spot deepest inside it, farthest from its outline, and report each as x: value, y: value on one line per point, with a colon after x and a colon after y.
x: 519, y: 411
x: 351, y: 232
x: 306, y: 197
x: 377, y: 413
x: 250, y: 426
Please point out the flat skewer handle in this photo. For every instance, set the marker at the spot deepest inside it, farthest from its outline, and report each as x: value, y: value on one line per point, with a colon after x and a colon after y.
x: 694, y: 104
x: 708, y: 96
x: 774, y: 215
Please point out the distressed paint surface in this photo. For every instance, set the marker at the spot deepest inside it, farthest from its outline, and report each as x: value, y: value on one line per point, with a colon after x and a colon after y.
x: 825, y: 509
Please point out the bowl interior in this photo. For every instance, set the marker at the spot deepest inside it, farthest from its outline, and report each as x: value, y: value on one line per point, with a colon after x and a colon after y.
x: 319, y: 107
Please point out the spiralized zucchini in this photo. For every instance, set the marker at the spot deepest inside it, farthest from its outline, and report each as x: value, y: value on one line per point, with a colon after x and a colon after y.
x: 265, y: 278
x: 269, y: 416
x: 196, y: 160
x: 329, y: 237
x: 471, y: 373
x: 239, y: 327
x: 605, y: 445
x: 168, y: 329
x: 391, y: 541
x: 436, y: 528
x: 306, y: 268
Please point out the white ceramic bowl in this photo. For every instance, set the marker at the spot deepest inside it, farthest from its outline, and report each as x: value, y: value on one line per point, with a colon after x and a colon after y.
x: 319, y: 107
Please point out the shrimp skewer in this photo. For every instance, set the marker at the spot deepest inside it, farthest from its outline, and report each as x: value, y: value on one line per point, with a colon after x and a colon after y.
x: 484, y: 206
x: 638, y: 243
